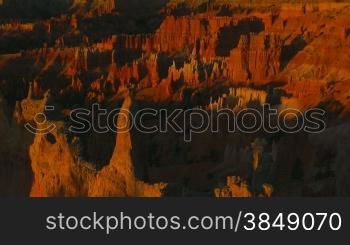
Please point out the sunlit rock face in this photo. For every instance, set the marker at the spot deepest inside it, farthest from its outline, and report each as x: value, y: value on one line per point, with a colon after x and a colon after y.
x: 60, y: 169
x: 119, y: 177
x: 171, y: 54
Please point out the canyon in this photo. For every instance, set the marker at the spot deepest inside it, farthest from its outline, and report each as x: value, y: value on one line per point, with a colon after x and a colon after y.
x: 159, y: 54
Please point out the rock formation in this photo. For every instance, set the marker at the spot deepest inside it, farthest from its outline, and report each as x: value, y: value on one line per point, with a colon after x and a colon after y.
x: 119, y: 177
x: 175, y: 54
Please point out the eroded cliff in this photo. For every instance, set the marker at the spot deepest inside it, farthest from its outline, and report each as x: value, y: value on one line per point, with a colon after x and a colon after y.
x: 171, y: 54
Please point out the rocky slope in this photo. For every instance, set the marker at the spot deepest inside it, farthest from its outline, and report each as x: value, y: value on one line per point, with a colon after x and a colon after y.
x: 171, y: 54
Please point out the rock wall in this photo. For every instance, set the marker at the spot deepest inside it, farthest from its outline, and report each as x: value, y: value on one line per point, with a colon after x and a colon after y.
x: 174, y: 55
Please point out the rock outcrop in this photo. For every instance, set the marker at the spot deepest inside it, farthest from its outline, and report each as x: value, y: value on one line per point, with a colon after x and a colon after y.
x: 176, y: 54
x: 119, y: 177
x: 60, y: 169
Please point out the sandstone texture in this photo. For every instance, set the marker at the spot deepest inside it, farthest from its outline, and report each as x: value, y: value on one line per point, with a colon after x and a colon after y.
x: 136, y: 54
